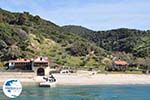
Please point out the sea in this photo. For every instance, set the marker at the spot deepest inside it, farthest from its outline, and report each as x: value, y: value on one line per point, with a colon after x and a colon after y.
x: 98, y: 92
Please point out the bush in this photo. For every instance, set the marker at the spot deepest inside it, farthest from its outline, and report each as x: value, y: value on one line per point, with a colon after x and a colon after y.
x: 1, y: 64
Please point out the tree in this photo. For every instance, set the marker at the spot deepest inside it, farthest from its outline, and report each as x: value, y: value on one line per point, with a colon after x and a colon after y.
x: 21, y: 19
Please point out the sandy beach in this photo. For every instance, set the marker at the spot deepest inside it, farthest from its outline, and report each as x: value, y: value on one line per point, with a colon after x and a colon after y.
x: 79, y: 79
x: 103, y: 79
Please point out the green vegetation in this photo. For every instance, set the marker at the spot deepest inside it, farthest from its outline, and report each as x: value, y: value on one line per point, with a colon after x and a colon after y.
x: 119, y: 40
x: 23, y: 36
x: 1, y: 64
x: 130, y: 45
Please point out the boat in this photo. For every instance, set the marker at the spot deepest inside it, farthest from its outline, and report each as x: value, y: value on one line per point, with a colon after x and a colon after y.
x: 49, y: 82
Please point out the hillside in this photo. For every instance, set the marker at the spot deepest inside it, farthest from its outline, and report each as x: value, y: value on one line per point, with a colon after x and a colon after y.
x: 23, y: 35
x: 118, y: 40
x: 77, y: 30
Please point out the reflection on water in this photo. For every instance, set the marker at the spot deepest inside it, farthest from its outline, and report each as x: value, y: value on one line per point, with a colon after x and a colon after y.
x: 105, y: 92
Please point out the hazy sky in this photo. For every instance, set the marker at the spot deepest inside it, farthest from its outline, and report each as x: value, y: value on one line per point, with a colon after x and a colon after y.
x: 93, y: 14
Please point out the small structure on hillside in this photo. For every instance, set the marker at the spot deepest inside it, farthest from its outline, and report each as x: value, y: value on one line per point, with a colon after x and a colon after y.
x: 39, y: 65
x: 118, y: 65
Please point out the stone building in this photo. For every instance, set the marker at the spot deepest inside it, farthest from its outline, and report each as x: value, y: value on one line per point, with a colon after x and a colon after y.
x: 39, y: 65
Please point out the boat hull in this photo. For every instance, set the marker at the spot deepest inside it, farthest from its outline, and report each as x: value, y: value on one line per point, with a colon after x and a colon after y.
x: 47, y: 84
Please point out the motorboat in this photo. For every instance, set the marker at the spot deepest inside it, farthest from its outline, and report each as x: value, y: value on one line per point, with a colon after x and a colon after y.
x: 48, y: 82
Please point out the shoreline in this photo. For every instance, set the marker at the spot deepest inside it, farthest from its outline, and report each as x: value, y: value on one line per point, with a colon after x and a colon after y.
x: 79, y: 79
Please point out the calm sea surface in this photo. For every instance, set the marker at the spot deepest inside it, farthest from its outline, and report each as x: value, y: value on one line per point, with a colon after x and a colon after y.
x: 104, y: 92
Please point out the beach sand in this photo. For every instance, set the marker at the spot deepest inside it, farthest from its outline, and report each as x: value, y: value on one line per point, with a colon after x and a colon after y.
x: 79, y: 78
x: 103, y: 79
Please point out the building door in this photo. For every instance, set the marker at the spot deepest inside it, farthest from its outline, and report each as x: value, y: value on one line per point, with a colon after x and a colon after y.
x: 40, y: 72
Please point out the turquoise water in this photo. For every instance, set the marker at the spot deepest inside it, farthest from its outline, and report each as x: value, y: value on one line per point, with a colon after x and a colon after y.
x: 105, y: 92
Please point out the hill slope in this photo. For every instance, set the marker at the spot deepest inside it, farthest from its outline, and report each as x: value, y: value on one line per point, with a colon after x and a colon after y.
x: 24, y: 35
x: 119, y: 40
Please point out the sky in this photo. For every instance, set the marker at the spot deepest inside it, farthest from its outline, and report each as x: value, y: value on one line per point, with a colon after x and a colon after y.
x: 93, y: 14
